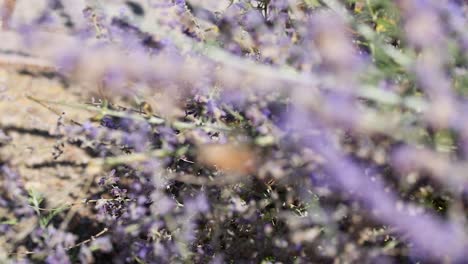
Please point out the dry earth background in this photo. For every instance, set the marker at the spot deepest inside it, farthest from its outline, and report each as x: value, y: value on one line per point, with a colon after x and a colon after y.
x: 28, y: 126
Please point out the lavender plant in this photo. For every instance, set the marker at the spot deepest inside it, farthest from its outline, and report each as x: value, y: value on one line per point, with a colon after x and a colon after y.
x: 247, y: 131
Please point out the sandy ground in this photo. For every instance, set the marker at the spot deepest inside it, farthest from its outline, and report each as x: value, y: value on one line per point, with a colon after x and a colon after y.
x: 31, y: 126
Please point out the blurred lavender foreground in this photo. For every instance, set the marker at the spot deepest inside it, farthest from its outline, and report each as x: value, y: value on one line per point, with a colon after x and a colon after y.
x: 241, y: 131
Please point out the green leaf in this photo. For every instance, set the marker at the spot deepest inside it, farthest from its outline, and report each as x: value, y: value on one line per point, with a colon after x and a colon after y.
x: 9, y: 222
x: 35, y: 199
x: 45, y: 220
